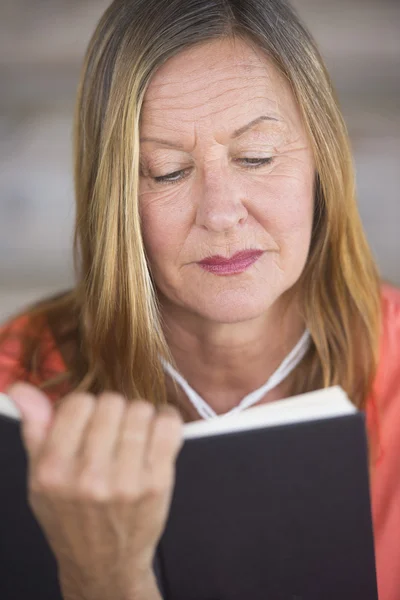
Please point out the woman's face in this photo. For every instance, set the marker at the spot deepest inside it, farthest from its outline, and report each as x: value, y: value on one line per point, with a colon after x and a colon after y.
x: 226, y: 168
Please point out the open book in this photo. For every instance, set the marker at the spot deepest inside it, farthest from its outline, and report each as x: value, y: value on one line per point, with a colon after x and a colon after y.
x: 269, y: 504
x: 321, y: 404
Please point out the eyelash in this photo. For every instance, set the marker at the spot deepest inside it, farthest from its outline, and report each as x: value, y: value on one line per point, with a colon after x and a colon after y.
x: 260, y: 162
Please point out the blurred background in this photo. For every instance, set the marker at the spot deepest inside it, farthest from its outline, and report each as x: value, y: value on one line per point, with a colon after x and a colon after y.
x: 42, y: 43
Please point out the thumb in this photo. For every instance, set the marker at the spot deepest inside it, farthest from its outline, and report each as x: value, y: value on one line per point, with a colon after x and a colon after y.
x: 36, y: 415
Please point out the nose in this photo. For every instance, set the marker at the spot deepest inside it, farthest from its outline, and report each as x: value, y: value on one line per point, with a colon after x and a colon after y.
x: 220, y: 203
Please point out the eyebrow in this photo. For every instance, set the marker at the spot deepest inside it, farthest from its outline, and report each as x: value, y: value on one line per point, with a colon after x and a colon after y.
x: 237, y: 133
x: 245, y: 128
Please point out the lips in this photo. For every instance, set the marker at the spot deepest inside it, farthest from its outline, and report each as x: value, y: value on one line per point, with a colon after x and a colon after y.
x: 238, y: 263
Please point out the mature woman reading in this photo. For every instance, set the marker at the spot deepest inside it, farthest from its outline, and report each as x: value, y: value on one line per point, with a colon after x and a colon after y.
x: 216, y: 230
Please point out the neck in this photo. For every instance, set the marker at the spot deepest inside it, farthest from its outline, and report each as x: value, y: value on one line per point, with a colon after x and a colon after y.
x: 224, y: 362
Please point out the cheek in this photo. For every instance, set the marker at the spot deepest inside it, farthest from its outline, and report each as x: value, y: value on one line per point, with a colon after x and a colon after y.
x: 295, y: 213
x: 165, y: 222
x: 287, y: 206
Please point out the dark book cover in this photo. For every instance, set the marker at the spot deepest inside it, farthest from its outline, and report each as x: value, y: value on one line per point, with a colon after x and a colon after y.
x: 28, y: 569
x: 276, y: 513
x: 281, y: 513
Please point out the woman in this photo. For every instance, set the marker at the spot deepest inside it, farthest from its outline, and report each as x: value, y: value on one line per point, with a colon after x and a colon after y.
x: 216, y: 230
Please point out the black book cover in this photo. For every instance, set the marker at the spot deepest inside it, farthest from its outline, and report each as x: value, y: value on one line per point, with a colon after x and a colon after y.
x: 28, y: 569
x: 279, y: 513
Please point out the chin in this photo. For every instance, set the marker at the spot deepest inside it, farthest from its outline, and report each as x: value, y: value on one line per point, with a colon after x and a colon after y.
x: 234, y: 307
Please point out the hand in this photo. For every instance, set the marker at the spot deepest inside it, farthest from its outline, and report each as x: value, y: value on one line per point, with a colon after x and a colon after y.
x: 101, y: 475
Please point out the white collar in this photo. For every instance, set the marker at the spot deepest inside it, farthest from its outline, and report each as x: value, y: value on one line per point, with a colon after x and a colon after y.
x: 285, y: 368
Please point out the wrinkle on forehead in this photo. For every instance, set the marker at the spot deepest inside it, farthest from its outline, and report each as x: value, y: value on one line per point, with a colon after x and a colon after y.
x: 226, y: 71
x: 195, y: 69
x: 206, y: 81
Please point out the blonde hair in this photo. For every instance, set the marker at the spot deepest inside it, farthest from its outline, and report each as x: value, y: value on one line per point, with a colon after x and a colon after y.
x: 113, y: 311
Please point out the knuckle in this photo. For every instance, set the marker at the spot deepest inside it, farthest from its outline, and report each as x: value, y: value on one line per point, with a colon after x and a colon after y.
x: 158, y: 486
x: 132, y: 434
x: 48, y: 477
x: 123, y: 494
x: 170, y: 426
x: 142, y: 409
x: 92, y: 486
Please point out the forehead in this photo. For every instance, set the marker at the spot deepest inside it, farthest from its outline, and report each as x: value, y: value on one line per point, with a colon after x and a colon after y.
x: 216, y: 82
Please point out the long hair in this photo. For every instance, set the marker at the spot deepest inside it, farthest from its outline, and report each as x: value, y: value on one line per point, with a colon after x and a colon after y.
x: 110, y: 322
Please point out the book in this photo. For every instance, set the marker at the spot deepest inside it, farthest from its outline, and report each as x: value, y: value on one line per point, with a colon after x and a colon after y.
x: 269, y: 504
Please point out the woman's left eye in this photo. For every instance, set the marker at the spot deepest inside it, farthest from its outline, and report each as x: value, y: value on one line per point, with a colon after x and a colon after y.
x: 254, y: 163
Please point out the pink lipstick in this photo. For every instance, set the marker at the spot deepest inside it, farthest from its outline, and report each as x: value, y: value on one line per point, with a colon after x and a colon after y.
x: 236, y: 264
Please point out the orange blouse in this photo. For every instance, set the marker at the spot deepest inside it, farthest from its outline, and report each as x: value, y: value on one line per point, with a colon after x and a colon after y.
x: 383, y: 424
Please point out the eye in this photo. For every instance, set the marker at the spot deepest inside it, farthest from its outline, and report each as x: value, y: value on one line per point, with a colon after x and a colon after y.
x: 255, y: 163
x: 172, y: 177
x: 176, y: 176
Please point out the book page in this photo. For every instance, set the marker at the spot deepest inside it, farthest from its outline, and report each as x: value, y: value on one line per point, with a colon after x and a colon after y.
x: 8, y: 408
x: 320, y: 404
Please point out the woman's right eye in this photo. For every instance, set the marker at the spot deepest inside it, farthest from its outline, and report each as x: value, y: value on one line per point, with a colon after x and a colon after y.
x: 172, y: 177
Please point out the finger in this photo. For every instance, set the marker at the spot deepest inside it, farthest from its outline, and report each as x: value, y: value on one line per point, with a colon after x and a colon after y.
x: 69, y: 425
x: 132, y: 444
x: 103, y: 430
x: 165, y: 442
x: 36, y: 414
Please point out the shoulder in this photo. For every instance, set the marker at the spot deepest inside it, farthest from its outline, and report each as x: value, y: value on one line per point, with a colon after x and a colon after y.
x: 383, y: 403
x: 389, y: 353
x: 27, y: 352
x: 383, y: 420
x: 11, y: 351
